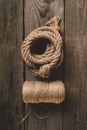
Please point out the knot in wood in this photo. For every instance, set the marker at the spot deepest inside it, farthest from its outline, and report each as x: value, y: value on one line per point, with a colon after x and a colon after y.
x: 41, y: 63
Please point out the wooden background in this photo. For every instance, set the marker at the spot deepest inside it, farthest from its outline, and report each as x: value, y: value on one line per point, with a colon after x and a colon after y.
x: 17, y: 20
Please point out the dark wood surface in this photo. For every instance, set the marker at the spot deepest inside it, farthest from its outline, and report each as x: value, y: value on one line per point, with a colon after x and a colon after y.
x: 37, y: 12
x: 75, y: 74
x: 11, y: 65
x: 17, y: 20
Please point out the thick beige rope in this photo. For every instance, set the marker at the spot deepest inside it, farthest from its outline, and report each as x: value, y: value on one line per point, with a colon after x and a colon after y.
x: 53, y: 55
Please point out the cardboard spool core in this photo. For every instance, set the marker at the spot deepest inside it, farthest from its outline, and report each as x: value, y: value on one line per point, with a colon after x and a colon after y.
x: 43, y: 92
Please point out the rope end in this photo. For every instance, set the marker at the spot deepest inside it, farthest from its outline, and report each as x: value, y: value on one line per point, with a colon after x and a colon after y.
x: 43, y: 72
x: 53, y: 21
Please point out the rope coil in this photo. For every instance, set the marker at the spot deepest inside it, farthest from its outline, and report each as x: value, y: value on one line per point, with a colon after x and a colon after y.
x: 42, y: 64
x: 43, y: 92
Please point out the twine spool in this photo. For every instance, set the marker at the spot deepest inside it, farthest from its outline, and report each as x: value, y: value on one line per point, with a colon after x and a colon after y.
x: 48, y: 36
x: 43, y: 92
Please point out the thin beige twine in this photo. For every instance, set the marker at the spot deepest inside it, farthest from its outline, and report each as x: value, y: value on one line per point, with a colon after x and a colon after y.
x: 53, y: 55
x: 36, y: 114
x: 47, y: 92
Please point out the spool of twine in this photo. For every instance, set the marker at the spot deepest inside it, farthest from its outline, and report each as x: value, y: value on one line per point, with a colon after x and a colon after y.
x: 43, y: 92
x: 48, y: 36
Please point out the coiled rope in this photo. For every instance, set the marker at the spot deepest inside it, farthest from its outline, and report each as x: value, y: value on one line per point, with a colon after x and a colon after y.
x: 42, y: 64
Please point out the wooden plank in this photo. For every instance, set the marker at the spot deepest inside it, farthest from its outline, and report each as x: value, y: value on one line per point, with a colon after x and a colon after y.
x: 37, y: 12
x: 11, y: 65
x: 75, y: 108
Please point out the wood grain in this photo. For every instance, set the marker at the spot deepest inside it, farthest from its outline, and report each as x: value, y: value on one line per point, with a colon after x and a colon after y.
x: 72, y: 115
x: 36, y: 13
x: 75, y: 107
x: 11, y: 65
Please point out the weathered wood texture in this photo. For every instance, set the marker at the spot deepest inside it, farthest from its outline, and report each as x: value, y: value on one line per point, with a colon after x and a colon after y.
x: 75, y: 75
x: 18, y: 19
x: 11, y: 64
x: 36, y: 13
